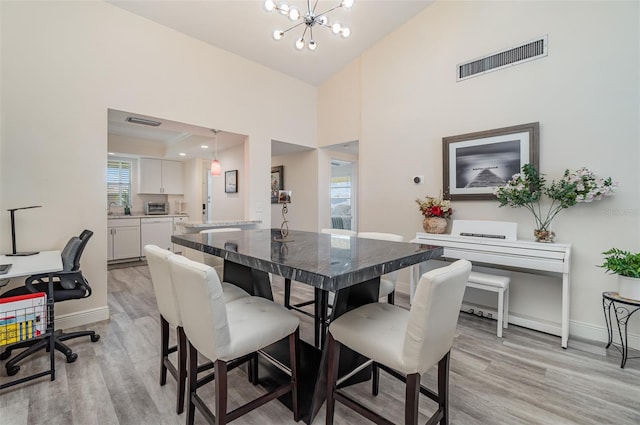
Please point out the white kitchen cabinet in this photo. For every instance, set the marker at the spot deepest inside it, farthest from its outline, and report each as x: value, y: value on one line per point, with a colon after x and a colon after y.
x: 178, y: 230
x: 156, y: 231
x: 160, y: 176
x: 123, y: 236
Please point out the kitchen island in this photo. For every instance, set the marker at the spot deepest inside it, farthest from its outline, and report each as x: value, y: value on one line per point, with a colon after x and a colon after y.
x: 198, y: 226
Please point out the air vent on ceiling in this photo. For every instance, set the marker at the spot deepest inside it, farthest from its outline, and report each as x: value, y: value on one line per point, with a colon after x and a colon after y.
x: 136, y: 120
x: 513, y: 56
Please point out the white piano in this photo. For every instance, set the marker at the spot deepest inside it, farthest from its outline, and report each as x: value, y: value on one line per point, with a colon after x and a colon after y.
x: 491, y: 247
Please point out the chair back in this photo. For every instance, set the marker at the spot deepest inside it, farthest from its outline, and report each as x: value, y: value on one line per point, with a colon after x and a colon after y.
x: 202, y: 307
x: 393, y: 276
x: 73, y: 250
x: 158, y: 262
x: 343, y: 232
x: 433, y: 316
x: 221, y: 229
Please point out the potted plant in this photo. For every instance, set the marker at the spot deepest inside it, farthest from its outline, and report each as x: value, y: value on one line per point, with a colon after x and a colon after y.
x: 526, y: 189
x: 435, y: 212
x: 627, y: 266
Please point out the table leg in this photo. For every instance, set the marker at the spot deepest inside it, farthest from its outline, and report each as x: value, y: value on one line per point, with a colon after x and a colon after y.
x: 606, y: 307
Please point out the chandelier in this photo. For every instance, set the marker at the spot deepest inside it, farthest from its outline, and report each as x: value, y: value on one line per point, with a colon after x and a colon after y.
x: 309, y: 20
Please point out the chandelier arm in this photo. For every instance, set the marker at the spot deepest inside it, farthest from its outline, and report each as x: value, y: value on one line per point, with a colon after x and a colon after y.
x: 327, y: 11
x: 294, y: 26
x: 313, y: 11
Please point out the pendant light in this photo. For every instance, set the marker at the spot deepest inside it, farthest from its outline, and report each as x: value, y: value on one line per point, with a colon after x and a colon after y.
x: 216, y: 169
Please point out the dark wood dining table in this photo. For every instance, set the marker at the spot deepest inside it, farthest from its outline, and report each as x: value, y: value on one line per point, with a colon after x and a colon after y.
x: 348, y: 266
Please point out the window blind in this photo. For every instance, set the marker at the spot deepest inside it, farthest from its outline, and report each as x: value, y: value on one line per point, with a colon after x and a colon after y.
x: 119, y: 182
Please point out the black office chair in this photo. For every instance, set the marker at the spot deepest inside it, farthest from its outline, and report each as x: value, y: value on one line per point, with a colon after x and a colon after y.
x: 68, y: 284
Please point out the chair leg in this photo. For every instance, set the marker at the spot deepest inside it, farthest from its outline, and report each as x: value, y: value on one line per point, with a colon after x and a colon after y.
x: 287, y: 293
x: 294, y: 355
x: 412, y: 399
x: 375, y: 381
x: 221, y: 392
x: 192, y: 373
x: 443, y: 388
x: 332, y: 376
x: 182, y: 369
x: 164, y: 349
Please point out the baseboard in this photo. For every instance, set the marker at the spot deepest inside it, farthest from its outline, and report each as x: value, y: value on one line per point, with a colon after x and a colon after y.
x: 81, y: 318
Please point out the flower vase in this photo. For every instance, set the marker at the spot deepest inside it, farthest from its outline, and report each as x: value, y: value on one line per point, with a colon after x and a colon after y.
x: 434, y: 225
x: 545, y: 236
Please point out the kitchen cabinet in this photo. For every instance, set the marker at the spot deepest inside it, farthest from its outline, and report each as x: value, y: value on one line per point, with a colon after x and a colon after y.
x: 156, y: 231
x: 123, y: 238
x: 178, y: 230
x: 160, y: 176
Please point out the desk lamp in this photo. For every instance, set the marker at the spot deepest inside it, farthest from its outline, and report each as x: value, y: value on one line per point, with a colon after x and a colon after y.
x: 14, y: 253
x: 284, y: 197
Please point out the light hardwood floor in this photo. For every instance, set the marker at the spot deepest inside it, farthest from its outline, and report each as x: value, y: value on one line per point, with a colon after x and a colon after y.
x: 524, y: 378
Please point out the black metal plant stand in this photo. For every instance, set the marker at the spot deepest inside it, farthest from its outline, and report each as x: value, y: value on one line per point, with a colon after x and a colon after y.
x: 623, y: 309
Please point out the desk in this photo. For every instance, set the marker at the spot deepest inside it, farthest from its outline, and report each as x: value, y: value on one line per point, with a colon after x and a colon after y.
x: 349, y: 266
x: 526, y: 256
x: 43, y: 262
x: 623, y: 308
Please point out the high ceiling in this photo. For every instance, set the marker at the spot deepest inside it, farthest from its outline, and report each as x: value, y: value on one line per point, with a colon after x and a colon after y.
x: 244, y: 27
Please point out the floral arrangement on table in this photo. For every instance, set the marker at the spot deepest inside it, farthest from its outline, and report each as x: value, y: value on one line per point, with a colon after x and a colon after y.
x: 435, y: 211
x: 434, y: 207
x: 527, y: 188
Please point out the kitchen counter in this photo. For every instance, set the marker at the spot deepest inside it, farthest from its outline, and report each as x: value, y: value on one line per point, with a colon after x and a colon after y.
x: 197, y: 226
x: 109, y: 217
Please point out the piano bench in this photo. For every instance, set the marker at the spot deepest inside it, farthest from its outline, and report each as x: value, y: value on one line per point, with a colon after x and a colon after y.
x: 494, y: 283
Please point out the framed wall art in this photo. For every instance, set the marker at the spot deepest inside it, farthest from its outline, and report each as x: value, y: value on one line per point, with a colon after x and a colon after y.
x: 231, y: 181
x: 475, y: 164
x: 277, y: 182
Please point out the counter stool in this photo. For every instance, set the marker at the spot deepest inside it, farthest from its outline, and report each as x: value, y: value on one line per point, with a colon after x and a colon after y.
x: 211, y: 260
x: 494, y: 283
x: 158, y: 262
x: 404, y: 343
x: 228, y: 334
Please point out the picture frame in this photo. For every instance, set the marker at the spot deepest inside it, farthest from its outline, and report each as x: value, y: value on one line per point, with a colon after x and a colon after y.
x: 474, y: 164
x: 277, y: 182
x: 284, y: 196
x: 231, y: 181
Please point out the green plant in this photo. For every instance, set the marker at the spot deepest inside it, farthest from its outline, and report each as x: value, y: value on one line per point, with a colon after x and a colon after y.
x: 526, y: 189
x: 623, y: 263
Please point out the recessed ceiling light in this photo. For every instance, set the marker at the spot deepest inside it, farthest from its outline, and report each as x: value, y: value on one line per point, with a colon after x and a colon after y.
x: 182, y: 154
x: 136, y: 120
x: 110, y: 153
x: 204, y: 146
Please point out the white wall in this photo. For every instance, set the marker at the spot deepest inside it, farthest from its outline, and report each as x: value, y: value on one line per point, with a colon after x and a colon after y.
x: 585, y: 95
x: 229, y: 206
x: 64, y: 64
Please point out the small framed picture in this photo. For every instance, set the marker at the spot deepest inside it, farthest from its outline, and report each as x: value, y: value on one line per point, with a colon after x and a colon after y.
x: 277, y: 182
x: 231, y: 181
x: 475, y: 164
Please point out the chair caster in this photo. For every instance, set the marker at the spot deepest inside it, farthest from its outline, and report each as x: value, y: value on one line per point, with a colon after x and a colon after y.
x: 95, y: 338
x: 72, y: 357
x: 5, y: 355
x: 12, y: 370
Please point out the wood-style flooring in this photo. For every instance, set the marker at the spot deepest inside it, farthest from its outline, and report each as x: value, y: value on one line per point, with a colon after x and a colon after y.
x: 524, y: 378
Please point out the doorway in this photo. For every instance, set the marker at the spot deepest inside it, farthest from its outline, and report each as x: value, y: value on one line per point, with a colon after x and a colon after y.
x: 343, y: 194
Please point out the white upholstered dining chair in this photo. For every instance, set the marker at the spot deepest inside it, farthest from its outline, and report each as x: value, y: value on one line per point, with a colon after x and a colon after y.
x: 228, y: 334
x: 158, y: 262
x: 404, y: 343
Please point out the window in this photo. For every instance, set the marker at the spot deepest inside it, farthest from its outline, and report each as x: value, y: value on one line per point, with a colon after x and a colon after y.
x: 119, y: 182
x: 341, y: 194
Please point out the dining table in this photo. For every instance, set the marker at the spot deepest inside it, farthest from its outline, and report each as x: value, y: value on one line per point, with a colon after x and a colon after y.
x: 348, y: 266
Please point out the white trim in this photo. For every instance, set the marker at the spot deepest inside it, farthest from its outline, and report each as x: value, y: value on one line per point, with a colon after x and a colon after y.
x: 81, y: 318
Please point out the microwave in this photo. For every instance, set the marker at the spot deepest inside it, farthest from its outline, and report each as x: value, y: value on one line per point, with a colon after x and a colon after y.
x: 156, y: 208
